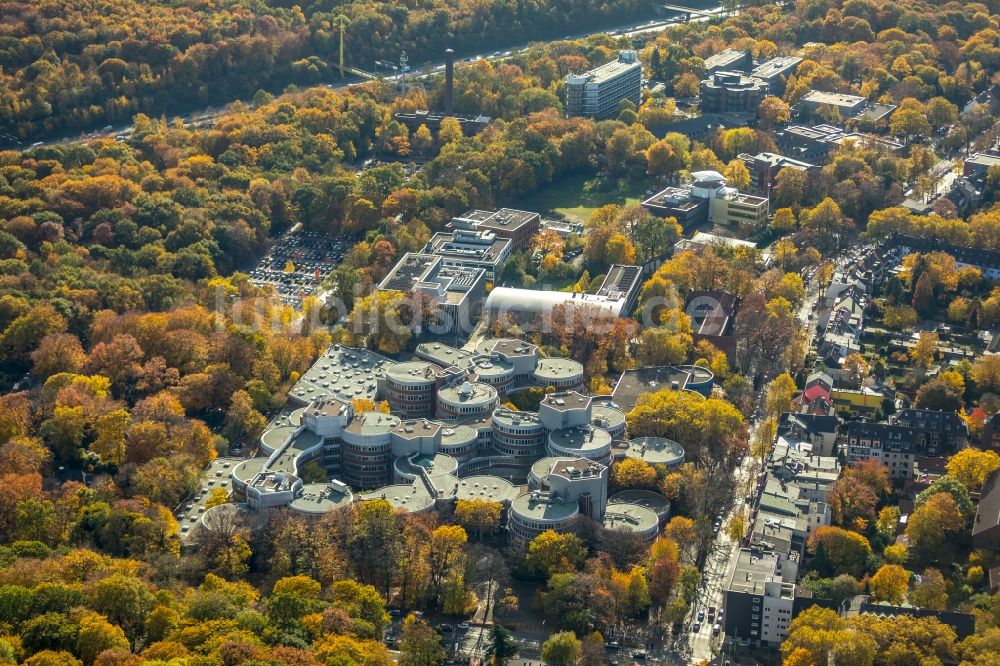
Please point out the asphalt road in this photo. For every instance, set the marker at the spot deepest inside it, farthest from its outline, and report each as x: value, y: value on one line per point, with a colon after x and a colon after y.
x: 702, y: 644
x: 208, y: 115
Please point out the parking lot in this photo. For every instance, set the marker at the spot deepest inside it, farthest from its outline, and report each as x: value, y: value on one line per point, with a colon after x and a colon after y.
x: 297, y: 263
x: 216, y: 475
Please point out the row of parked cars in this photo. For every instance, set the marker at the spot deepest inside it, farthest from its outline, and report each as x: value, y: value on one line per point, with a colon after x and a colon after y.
x: 716, y: 622
x: 310, y: 256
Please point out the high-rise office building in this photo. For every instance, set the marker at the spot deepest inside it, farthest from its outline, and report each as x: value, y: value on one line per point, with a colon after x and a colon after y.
x: 597, y: 93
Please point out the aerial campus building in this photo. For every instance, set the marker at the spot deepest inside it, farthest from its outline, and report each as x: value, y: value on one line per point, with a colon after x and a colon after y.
x: 708, y: 199
x: 448, y: 438
x: 734, y: 84
x: 615, y: 297
x: 599, y: 92
x: 453, y: 268
x: 732, y: 92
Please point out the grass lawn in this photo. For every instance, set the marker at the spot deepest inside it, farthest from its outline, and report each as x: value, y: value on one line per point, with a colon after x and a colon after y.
x: 578, y: 196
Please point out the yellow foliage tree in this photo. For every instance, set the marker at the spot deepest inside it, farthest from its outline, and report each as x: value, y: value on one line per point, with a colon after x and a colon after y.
x: 633, y: 473
x: 889, y: 584
x: 480, y: 516
x: 972, y: 466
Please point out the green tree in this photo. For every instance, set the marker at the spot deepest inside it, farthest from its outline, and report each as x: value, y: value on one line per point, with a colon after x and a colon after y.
x: 971, y: 467
x: 419, y: 644
x: 839, y: 550
x: 909, y: 123
x: 501, y: 646
x: 293, y: 598
x: 948, y: 484
x: 374, y: 542
x: 826, y: 219
x: 932, y: 523
x: 125, y: 601
x: 562, y: 649
x: 784, y: 220
x: 931, y: 591
x: 779, y: 394
x: 242, y: 418
x: 362, y: 602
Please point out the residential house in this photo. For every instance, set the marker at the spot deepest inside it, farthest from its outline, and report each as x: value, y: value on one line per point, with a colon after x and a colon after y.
x: 864, y: 402
x: 937, y: 431
x: 986, y: 527
x: 991, y: 429
x: 819, y: 431
x: 818, y: 385
x: 964, y: 624
x: 712, y: 316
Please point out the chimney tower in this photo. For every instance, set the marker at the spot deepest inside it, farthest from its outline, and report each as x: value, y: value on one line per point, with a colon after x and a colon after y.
x: 449, y: 82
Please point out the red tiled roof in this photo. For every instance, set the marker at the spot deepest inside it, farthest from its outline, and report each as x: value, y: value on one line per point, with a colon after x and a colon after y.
x: 813, y: 392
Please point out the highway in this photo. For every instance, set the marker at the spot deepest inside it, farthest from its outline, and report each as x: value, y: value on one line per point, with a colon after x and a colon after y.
x: 207, y: 116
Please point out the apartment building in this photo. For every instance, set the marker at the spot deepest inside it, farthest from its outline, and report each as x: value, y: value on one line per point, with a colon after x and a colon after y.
x: 761, y: 596
x: 914, y: 434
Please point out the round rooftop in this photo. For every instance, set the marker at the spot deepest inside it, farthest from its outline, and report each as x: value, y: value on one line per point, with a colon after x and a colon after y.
x: 288, y: 418
x: 342, y: 371
x: 320, y: 498
x: 409, y: 497
x: 653, y: 501
x: 612, y: 418
x: 374, y: 423
x: 274, y: 438
x: 248, y: 469
x: 231, y: 510
x: 438, y: 464
x: 655, y: 451
x: 510, y: 418
x: 558, y: 369
x: 488, y: 488
x: 583, y: 442
x: 412, y: 372
x: 468, y: 393
x: 492, y: 368
x: 458, y: 435
x: 699, y: 375
x: 506, y: 346
x: 543, y: 466
x: 624, y: 517
x: 540, y: 508
x: 304, y: 441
